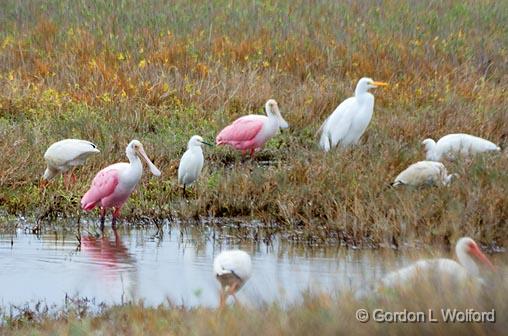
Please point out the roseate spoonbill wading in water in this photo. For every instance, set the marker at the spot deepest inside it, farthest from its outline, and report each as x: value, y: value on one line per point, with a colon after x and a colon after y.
x: 452, y: 145
x: 191, y: 162
x: 252, y: 131
x: 441, y: 269
x: 63, y: 156
x: 424, y: 173
x: 348, y: 122
x: 112, y: 186
x: 232, y: 268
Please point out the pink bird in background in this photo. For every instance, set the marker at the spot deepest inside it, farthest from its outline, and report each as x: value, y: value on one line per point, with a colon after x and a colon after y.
x: 112, y: 186
x: 253, y: 131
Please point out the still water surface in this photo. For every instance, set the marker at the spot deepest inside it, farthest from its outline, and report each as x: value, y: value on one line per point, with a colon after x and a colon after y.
x: 175, y: 265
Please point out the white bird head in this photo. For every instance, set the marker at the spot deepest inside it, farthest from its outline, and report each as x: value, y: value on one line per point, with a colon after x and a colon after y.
x: 468, y: 253
x: 196, y: 140
x: 449, y: 178
x: 430, y: 145
x: 272, y: 108
x: 366, y: 83
x: 135, y: 148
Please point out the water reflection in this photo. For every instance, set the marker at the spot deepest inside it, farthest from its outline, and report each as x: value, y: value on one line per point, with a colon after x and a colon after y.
x: 176, y: 264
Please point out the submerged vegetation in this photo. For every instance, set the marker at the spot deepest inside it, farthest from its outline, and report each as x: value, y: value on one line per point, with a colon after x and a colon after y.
x: 163, y: 71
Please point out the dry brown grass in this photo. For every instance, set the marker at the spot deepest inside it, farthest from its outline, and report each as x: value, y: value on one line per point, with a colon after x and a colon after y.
x: 162, y: 72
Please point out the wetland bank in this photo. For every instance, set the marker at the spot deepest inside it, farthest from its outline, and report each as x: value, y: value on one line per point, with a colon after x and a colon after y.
x: 164, y: 71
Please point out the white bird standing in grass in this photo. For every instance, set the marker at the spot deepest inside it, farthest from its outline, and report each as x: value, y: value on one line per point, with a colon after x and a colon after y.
x: 452, y: 145
x: 191, y: 162
x: 424, y: 173
x: 442, y: 270
x: 348, y: 122
x: 232, y: 269
x: 65, y: 155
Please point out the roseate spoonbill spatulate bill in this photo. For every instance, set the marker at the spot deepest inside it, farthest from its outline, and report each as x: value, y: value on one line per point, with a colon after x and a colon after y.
x: 113, y: 185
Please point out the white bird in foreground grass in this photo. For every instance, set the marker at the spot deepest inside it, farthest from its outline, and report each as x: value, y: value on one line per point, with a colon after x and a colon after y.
x: 424, y: 173
x: 348, y: 122
x: 191, y: 162
x: 65, y: 155
x: 452, y: 145
x: 442, y: 270
x: 232, y: 269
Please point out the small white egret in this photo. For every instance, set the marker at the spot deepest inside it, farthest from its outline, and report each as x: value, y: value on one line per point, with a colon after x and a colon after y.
x: 442, y: 270
x: 191, y: 162
x: 452, y: 145
x: 348, y: 122
x: 232, y: 268
x: 65, y: 155
x: 424, y: 173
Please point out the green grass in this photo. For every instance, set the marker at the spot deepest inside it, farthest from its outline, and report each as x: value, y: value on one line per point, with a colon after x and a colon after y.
x: 162, y: 71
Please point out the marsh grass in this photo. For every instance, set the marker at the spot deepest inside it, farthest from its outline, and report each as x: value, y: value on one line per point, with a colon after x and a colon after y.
x: 314, y: 314
x: 162, y: 71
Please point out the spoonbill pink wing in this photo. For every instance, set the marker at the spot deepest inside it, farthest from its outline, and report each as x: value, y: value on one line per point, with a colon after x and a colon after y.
x: 103, y: 185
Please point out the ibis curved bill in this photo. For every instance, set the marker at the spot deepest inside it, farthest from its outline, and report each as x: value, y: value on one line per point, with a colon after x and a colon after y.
x: 232, y: 268
x: 112, y: 186
x: 64, y: 156
x: 252, y: 131
x: 443, y: 270
x: 348, y: 122
x: 452, y: 145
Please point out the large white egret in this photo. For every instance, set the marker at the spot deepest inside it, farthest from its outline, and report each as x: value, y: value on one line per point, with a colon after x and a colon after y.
x: 442, y: 270
x: 232, y: 268
x: 424, y: 173
x: 191, y: 162
x: 64, y: 156
x: 348, y: 122
x: 452, y: 145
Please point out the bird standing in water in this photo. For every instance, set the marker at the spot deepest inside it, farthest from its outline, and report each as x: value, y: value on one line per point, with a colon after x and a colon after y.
x: 232, y: 268
x: 113, y: 185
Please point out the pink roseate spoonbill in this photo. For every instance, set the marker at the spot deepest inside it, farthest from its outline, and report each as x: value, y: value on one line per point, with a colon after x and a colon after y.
x: 441, y: 269
x: 424, y: 173
x: 452, y: 145
x: 191, y: 162
x: 112, y: 186
x: 348, y: 122
x: 232, y: 268
x: 252, y: 131
x: 63, y: 156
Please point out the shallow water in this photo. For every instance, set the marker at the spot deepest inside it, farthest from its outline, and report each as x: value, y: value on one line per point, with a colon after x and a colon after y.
x: 175, y: 265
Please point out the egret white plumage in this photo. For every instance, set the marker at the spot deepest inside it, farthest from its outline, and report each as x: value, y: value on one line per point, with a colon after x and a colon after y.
x: 348, y: 122
x: 424, y: 173
x: 452, y: 145
x: 65, y: 155
x: 441, y: 269
x: 192, y: 161
x: 232, y: 268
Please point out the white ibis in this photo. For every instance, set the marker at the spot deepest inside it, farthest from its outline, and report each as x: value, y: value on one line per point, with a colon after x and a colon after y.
x: 424, y: 173
x: 452, y: 145
x: 469, y: 256
x: 232, y: 268
x: 64, y: 156
x: 350, y: 119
